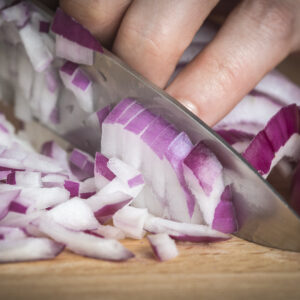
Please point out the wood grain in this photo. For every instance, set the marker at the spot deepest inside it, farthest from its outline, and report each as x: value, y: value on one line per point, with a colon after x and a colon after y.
x: 233, y: 269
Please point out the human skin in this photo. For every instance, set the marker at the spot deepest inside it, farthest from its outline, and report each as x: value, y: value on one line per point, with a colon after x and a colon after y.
x: 151, y: 35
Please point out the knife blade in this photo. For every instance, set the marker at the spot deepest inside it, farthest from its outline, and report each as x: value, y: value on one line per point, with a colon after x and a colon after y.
x: 263, y: 215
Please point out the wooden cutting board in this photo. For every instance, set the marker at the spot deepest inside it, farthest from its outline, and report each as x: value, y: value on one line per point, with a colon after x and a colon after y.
x: 233, y: 269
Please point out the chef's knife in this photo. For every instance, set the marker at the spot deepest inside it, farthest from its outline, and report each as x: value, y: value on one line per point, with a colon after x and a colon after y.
x: 263, y: 216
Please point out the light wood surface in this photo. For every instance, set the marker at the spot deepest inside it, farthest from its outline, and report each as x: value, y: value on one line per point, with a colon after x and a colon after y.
x: 233, y: 269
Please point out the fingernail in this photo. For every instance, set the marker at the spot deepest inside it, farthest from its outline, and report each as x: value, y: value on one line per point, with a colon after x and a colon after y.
x: 190, y: 106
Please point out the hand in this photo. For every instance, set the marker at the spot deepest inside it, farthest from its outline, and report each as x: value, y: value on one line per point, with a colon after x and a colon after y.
x: 151, y: 35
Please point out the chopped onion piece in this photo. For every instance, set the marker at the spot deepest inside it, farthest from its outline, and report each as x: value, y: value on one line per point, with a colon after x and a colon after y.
x: 204, y: 174
x: 103, y: 175
x: 28, y: 249
x: 87, y: 186
x: 128, y: 175
x: 183, y: 231
x: 72, y: 187
x: 54, y: 180
x: 37, y: 198
x: 85, y: 244
x: 107, y: 201
x: 38, y: 53
x: 53, y: 150
x: 82, y: 164
x: 163, y: 246
x: 18, y: 13
x: 28, y: 179
x: 11, y: 233
x: 224, y: 217
x: 74, y: 214
x: 7, y: 197
x: 67, y: 27
x: 131, y: 221
x: 109, y: 232
x: 73, y: 52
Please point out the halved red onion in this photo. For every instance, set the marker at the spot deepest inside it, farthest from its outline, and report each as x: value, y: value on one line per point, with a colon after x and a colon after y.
x: 163, y: 246
x: 74, y: 214
x: 28, y: 249
x: 204, y: 174
x: 184, y: 231
x: 159, y: 150
x: 85, y: 244
x: 224, y: 217
x: 131, y: 221
x: 74, y: 42
x: 278, y: 139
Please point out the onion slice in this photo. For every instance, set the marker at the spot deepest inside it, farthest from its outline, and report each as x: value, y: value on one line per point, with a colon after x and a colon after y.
x: 131, y: 221
x: 278, y: 139
x: 85, y: 244
x: 7, y: 197
x: 74, y: 214
x: 28, y: 249
x: 163, y: 246
x: 224, y: 217
x: 204, y: 174
x: 183, y: 231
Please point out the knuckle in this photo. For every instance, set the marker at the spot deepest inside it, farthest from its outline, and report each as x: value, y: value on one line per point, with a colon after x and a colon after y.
x: 152, y: 42
x: 275, y: 18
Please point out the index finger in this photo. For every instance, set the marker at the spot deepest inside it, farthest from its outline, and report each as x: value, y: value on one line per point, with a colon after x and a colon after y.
x: 255, y: 37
